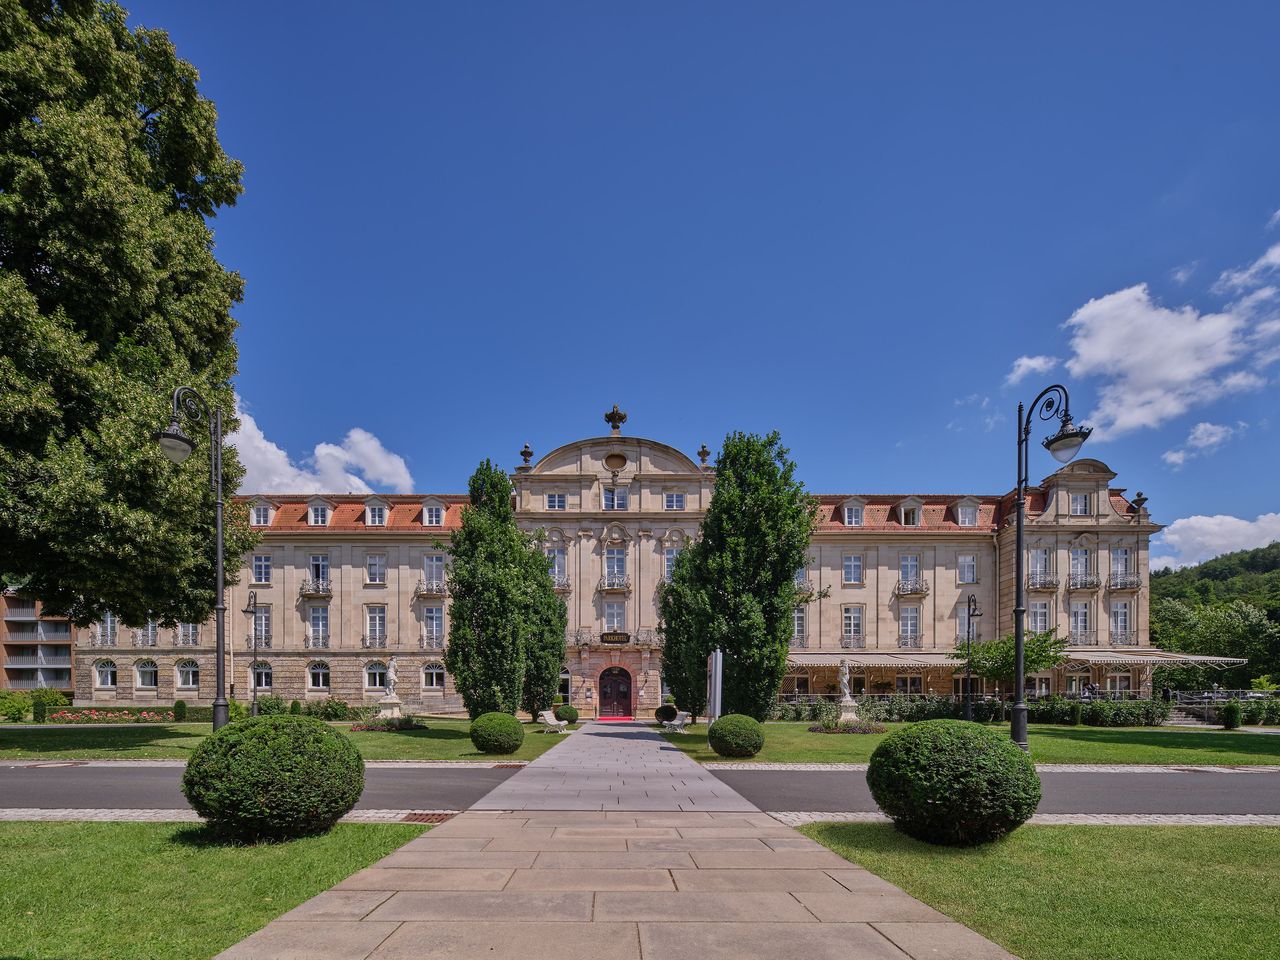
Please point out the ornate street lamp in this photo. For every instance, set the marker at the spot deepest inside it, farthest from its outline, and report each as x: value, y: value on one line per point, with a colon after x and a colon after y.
x: 250, y: 611
x: 177, y: 446
x: 1052, y: 404
x: 972, y: 613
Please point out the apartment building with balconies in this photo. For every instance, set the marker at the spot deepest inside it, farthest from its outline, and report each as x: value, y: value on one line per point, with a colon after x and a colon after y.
x: 35, y: 649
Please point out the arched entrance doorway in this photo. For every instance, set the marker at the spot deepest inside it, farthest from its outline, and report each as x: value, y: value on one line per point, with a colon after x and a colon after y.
x: 615, y: 693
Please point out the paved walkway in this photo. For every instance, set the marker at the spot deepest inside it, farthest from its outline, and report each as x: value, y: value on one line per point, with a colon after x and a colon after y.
x: 653, y: 858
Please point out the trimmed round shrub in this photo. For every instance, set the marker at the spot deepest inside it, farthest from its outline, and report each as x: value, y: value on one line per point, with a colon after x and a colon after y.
x: 1229, y: 715
x: 567, y: 713
x: 179, y: 710
x: 497, y: 733
x: 736, y: 735
x: 665, y: 713
x: 273, y: 778
x: 295, y: 707
x: 953, y: 783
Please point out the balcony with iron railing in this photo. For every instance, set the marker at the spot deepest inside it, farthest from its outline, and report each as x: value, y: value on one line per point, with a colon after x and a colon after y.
x: 910, y: 641
x: 39, y: 633
x: 316, y: 640
x: 186, y: 640
x: 853, y: 641
x: 146, y: 638
x: 912, y: 587
x: 430, y: 588
x: 1083, y: 638
x: 373, y: 641
x: 1042, y: 581
x: 1124, y: 581
x: 315, y: 589
x: 615, y: 583
x: 562, y: 584
x: 38, y: 661
x: 431, y: 641
x: 1084, y: 581
x: 799, y: 641
x: 1123, y: 638
x: 42, y: 683
x: 262, y: 641
x: 99, y: 636
x: 19, y: 610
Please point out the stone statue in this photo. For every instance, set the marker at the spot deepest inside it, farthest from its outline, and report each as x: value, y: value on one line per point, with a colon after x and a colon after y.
x: 845, y: 696
x: 392, y: 677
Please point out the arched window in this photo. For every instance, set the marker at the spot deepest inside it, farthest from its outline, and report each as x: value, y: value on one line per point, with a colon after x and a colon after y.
x: 148, y: 673
x: 375, y: 675
x: 318, y: 675
x: 261, y: 675
x: 433, y: 676
x: 188, y: 673
x: 105, y: 673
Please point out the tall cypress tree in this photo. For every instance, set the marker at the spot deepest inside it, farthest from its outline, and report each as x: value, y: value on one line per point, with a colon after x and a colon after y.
x: 735, y: 587
x: 506, y: 624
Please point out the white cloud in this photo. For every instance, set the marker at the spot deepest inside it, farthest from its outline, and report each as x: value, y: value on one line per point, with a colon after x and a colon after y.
x: 1156, y: 362
x: 1204, y: 439
x: 1274, y: 221
x: 349, y: 467
x: 1183, y: 273
x: 1023, y: 367
x: 1196, y: 539
x: 1252, y: 275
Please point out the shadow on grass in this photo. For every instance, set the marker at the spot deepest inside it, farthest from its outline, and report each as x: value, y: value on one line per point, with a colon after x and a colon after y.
x: 77, y: 737
x: 1162, y: 738
x: 204, y: 837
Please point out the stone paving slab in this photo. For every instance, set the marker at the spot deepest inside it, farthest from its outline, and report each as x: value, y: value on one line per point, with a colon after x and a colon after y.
x: 620, y: 882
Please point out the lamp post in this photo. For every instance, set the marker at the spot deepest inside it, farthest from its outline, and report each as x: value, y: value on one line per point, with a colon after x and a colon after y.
x: 1052, y: 404
x: 177, y: 446
x: 250, y: 610
x: 972, y: 614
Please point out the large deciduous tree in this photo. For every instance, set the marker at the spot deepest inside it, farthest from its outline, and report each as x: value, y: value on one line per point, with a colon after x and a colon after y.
x: 110, y: 295
x: 1231, y: 629
x: 735, y: 587
x: 506, y: 623
x: 994, y: 660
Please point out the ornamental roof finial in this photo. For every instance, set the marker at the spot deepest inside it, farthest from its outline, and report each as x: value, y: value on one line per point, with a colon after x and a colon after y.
x: 526, y: 454
x: 703, y: 453
x: 615, y: 418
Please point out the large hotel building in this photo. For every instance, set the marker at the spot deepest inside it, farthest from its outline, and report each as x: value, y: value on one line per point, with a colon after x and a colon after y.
x: 342, y: 583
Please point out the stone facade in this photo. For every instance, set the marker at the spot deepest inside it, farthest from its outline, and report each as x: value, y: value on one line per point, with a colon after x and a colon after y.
x: 350, y: 581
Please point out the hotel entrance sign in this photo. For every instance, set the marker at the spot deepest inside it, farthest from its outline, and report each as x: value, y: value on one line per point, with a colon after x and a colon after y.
x: 615, y: 637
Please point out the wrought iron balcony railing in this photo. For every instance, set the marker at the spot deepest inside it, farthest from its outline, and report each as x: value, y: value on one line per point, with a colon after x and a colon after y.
x: 1083, y: 638
x: 912, y: 587
x: 615, y: 582
x: 373, y: 641
x: 316, y: 641
x: 1124, y: 581
x: 561, y: 584
x: 1042, y: 581
x: 799, y: 641
x: 1084, y: 581
x: 431, y: 641
x: 430, y: 588
x: 1124, y: 638
x: 144, y: 638
x: 262, y: 641
x: 910, y: 642
x: 187, y: 640
x: 853, y: 641
x: 314, y: 588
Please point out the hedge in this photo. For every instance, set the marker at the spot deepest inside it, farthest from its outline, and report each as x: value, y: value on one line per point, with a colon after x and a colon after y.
x: 1052, y: 710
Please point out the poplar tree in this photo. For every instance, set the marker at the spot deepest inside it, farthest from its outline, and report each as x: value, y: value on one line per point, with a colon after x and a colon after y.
x: 506, y: 623
x: 735, y: 588
x: 110, y: 296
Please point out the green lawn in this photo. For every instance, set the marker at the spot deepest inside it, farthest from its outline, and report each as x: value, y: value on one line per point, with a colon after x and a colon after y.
x: 1092, y: 893
x: 443, y: 739
x: 161, y: 890
x: 793, y: 743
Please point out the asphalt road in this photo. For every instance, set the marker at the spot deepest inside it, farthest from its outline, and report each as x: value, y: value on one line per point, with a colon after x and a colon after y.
x: 443, y: 788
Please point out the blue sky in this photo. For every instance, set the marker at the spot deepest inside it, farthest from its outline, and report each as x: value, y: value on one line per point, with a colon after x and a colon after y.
x: 468, y: 226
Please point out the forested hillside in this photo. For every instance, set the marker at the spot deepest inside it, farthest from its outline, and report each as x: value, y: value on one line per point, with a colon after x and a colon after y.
x: 1249, y: 575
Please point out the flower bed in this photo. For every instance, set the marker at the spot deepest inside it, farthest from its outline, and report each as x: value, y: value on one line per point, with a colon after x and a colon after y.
x: 110, y: 716
x: 851, y: 726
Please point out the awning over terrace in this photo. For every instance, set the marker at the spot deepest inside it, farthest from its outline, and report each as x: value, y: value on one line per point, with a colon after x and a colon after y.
x: 1147, y: 657
x: 922, y: 660
x: 914, y: 660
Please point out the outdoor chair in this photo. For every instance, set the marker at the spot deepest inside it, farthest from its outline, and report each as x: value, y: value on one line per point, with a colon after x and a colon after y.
x: 678, y: 724
x: 550, y: 724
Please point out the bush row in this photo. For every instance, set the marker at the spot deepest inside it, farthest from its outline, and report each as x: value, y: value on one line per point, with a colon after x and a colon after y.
x: 1059, y: 710
x: 16, y: 704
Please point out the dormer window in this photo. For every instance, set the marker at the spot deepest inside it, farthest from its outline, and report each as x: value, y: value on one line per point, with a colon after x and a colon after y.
x: 1080, y: 505
x: 615, y: 498
x: 433, y: 516
x: 260, y: 515
x: 319, y: 515
x: 911, y: 516
x: 852, y: 516
x: 375, y: 515
x: 966, y: 513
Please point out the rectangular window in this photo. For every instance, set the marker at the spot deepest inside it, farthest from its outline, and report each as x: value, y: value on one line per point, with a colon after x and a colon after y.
x: 109, y: 625
x: 1038, y: 616
x: 261, y: 568
x: 1079, y: 561
x: 1079, y: 617
x: 909, y: 567
x: 912, y: 684
x: 188, y: 634
x: 1080, y: 505
x: 1120, y: 616
x: 673, y: 501
x: 377, y: 516
x: 963, y: 623
x: 262, y: 623
x: 853, y: 516
x: 798, y: 623
x: 852, y: 572
x: 319, y: 516
x: 261, y: 516
x: 967, y: 564
x: 669, y: 561
x: 375, y: 565
x: 1119, y: 683
x: 615, y: 616
x: 1120, y: 561
x: 376, y: 618
x: 320, y: 567
x: 908, y: 621
x: 967, y: 515
x: 433, y: 621
x: 557, y: 563
x: 433, y: 516
x: 1039, y: 561
x: 851, y: 621
x: 911, y: 517
x: 319, y: 623
x: 555, y: 501
x: 615, y: 498
x: 433, y: 568
x: 615, y: 563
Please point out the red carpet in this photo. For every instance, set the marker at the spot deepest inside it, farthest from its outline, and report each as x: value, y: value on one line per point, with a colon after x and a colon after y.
x: 615, y: 719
